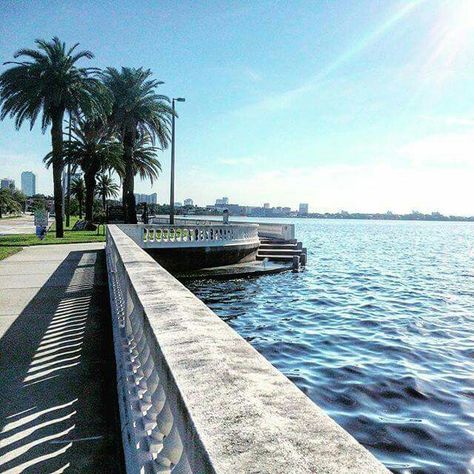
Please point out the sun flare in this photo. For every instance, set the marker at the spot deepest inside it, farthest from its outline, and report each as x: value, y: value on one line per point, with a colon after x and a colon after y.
x: 465, y: 15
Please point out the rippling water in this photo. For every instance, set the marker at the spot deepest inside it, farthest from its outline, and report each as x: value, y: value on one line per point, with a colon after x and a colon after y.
x: 378, y: 330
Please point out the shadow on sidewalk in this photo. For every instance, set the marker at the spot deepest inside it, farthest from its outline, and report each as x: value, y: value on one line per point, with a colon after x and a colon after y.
x: 58, y: 402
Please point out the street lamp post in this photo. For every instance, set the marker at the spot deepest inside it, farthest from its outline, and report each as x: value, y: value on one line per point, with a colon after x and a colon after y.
x: 179, y: 99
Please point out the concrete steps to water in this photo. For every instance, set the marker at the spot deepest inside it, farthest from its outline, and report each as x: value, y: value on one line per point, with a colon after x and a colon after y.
x: 270, y: 251
x: 282, y: 251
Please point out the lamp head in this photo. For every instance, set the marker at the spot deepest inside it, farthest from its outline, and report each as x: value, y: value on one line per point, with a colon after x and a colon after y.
x: 180, y: 99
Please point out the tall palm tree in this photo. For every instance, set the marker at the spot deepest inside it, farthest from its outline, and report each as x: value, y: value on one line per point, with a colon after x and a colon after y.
x: 48, y: 82
x: 145, y: 163
x: 78, y: 189
x: 93, y: 148
x: 137, y: 110
x: 106, y: 188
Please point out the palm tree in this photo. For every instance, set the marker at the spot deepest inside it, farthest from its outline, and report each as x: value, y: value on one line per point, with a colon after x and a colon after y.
x: 48, y: 82
x: 145, y: 163
x: 78, y: 189
x: 106, y: 188
x: 137, y: 110
x: 93, y: 148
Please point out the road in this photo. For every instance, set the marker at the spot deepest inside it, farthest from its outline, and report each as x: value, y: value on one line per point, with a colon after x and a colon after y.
x: 18, y: 225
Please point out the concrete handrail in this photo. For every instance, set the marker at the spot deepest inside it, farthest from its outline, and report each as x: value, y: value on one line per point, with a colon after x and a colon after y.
x: 190, y: 235
x: 275, y: 230
x: 196, y: 398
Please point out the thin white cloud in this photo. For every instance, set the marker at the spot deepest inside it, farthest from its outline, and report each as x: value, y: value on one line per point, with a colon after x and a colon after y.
x: 447, y: 149
x: 252, y: 74
x: 449, y: 121
x: 244, y: 160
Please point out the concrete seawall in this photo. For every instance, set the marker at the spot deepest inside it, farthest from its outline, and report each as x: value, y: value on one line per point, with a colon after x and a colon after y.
x: 195, y: 397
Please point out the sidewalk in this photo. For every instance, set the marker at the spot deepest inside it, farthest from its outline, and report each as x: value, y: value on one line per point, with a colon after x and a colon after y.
x: 57, y: 375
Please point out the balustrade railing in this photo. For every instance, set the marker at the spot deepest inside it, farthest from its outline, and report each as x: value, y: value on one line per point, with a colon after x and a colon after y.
x: 200, y: 233
x: 165, y: 235
x: 274, y: 230
x: 152, y: 431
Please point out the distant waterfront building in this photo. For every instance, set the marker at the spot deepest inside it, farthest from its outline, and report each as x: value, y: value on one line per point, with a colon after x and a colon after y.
x: 178, y: 204
x: 188, y: 202
x: 7, y: 183
x: 147, y: 198
x: 222, y: 202
x: 303, y: 209
x: 28, y: 183
x: 266, y: 205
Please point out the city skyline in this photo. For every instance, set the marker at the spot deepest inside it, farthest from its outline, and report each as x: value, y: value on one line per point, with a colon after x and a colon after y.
x: 364, y: 106
x: 152, y: 198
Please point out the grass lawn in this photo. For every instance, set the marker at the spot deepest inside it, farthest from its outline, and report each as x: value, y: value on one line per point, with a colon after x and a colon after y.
x: 10, y: 244
x: 7, y: 251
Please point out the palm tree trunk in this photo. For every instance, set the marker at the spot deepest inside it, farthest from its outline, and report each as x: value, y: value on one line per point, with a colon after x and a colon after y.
x: 57, y: 142
x: 103, y: 201
x: 80, y: 208
x: 124, y: 204
x: 128, y: 180
x: 89, y: 179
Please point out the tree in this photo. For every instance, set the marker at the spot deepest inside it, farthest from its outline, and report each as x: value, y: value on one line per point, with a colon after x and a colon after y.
x: 37, y: 203
x: 137, y: 111
x: 20, y: 198
x: 144, y: 161
x: 78, y: 189
x: 94, y: 148
x: 106, y: 188
x: 49, y: 83
x: 8, y: 203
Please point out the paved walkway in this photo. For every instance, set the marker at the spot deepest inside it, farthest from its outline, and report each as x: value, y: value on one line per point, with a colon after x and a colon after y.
x: 57, y: 387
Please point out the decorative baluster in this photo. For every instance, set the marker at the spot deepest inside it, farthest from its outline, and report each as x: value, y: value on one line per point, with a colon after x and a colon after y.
x: 172, y: 450
x: 147, y: 364
x: 156, y: 404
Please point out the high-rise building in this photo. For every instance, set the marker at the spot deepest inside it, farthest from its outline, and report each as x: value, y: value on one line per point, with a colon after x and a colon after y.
x: 7, y: 183
x: 266, y: 205
x: 222, y: 202
x: 188, y: 202
x: 147, y: 198
x: 28, y: 183
x: 303, y: 209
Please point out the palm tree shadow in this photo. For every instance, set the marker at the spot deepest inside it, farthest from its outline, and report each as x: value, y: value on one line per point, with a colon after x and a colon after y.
x: 58, y: 406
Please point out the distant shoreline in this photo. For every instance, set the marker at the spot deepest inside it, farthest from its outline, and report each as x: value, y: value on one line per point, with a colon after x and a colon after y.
x: 373, y: 217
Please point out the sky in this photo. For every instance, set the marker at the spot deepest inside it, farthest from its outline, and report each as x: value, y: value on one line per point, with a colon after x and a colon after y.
x: 360, y: 105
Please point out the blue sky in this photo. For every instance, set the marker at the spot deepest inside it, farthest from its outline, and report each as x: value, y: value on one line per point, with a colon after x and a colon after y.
x: 355, y: 105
